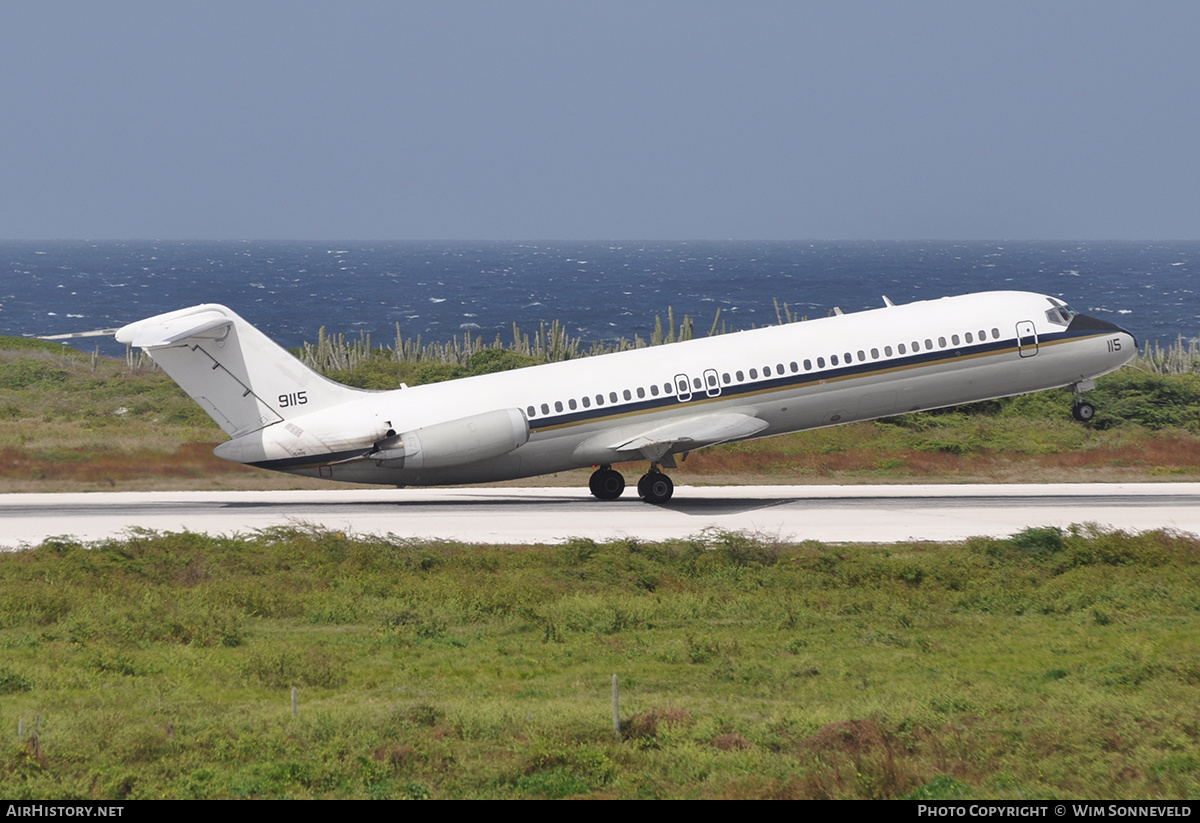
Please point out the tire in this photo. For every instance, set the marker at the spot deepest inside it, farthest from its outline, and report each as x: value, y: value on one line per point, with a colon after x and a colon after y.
x: 606, y: 484
x: 656, y: 488
x: 1083, y: 412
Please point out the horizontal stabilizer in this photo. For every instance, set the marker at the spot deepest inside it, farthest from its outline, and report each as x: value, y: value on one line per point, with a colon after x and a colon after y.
x: 158, y: 332
x: 77, y: 334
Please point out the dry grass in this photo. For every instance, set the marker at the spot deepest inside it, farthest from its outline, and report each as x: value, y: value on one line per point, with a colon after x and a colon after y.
x: 192, y: 466
x: 1145, y: 459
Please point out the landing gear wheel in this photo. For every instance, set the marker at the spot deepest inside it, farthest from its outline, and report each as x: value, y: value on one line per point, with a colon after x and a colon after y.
x: 606, y: 484
x: 655, y: 487
x: 1083, y: 412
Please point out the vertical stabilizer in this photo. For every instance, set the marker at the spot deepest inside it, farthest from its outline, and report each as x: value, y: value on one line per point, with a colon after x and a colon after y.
x: 236, y: 373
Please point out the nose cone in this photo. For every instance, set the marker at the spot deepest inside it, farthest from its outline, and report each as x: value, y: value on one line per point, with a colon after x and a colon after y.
x: 1087, y: 323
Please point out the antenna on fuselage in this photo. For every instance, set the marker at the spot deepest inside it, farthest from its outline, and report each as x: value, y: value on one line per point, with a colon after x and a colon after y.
x: 887, y: 302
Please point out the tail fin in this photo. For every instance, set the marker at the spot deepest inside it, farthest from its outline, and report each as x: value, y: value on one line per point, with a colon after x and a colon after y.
x: 236, y: 373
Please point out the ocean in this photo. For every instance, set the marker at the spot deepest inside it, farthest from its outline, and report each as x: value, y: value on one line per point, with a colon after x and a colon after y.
x: 598, y: 290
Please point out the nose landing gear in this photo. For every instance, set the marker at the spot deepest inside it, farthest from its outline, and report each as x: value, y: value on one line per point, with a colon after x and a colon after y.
x: 1083, y: 411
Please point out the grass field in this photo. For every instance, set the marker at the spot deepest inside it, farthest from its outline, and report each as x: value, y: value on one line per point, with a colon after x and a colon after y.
x: 1051, y: 665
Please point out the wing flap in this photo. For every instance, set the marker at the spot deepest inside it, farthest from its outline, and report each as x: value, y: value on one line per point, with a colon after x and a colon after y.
x: 704, y: 430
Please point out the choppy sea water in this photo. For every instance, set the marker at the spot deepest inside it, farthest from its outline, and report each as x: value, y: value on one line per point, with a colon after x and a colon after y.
x: 600, y: 291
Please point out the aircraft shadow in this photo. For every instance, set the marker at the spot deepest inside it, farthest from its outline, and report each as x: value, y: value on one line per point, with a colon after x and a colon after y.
x: 694, y: 506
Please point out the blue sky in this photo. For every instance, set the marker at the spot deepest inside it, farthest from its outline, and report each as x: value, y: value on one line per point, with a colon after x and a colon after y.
x: 600, y: 120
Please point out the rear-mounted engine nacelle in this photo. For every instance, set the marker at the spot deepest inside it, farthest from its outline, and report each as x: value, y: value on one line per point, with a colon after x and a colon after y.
x: 455, y: 442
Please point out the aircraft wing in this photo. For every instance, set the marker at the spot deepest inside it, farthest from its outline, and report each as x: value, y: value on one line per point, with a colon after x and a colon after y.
x: 702, y: 430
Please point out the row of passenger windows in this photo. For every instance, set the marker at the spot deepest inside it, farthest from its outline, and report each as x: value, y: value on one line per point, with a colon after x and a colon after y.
x: 711, y: 376
x: 586, y: 401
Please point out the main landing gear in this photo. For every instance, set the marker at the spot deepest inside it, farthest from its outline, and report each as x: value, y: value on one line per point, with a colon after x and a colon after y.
x: 606, y: 484
x: 653, y: 487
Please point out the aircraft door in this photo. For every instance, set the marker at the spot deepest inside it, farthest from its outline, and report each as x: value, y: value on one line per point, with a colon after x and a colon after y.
x: 712, y: 383
x: 1027, y: 342
x: 683, y: 388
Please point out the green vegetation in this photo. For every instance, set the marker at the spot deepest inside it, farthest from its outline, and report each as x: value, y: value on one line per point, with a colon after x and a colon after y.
x: 1057, y: 664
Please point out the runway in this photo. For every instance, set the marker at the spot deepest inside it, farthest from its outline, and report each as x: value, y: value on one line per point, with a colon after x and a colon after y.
x: 875, y: 514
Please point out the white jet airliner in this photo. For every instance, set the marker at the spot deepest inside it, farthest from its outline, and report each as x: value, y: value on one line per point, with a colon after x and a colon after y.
x: 648, y: 404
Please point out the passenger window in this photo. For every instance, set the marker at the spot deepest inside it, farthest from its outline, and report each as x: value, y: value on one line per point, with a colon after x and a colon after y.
x: 696, y: 383
x: 874, y: 354
x: 795, y: 367
x: 545, y: 409
x: 754, y: 374
x: 531, y: 412
x: 928, y: 343
x: 820, y: 362
x: 725, y: 377
x: 779, y: 368
x: 982, y: 335
x: 612, y: 396
x: 572, y: 404
x: 558, y: 405
x: 740, y: 376
x: 969, y: 338
x: 887, y: 351
x: 808, y: 365
x: 995, y: 334
x: 599, y: 400
x: 861, y: 356
x: 667, y: 389
x: 712, y: 380
x: 654, y: 389
x: 954, y: 338
x: 587, y: 402
x: 833, y: 361
x: 641, y: 392
x: 766, y: 371
x: 628, y: 395
x: 902, y: 349
x: 941, y: 342
x: 849, y: 357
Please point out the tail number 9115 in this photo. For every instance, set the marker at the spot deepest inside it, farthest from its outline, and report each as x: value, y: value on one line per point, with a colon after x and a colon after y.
x: 296, y: 398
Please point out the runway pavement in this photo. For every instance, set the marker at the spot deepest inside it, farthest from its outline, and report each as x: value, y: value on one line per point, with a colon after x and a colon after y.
x: 878, y: 514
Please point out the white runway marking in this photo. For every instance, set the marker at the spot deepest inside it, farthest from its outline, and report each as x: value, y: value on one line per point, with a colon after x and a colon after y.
x: 876, y: 514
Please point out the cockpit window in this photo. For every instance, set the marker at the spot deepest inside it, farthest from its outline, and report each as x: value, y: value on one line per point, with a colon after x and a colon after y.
x: 1061, y: 315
